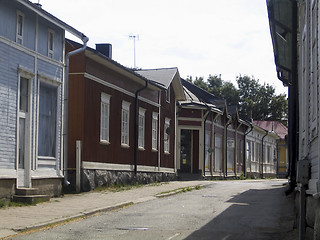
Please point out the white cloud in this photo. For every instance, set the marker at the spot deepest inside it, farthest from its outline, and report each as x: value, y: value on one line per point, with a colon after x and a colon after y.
x: 200, y: 37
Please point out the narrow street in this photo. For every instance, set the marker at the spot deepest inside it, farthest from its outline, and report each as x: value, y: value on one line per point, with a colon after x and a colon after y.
x: 251, y: 209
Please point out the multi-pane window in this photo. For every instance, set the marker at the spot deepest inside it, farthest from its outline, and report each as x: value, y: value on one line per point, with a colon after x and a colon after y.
x: 125, y: 123
x: 155, y: 131
x: 50, y: 43
x: 218, y: 152
x: 141, y: 135
x: 104, y: 118
x: 230, y: 154
x: 19, y: 27
x: 47, y: 120
x: 166, y: 135
x: 268, y: 160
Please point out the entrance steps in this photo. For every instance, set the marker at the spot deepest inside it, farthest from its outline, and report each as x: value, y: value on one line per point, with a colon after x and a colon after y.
x: 29, y: 195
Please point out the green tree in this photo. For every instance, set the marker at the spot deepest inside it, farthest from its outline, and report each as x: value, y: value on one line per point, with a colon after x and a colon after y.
x: 230, y: 93
x: 279, y: 108
x: 215, y: 84
x: 253, y: 99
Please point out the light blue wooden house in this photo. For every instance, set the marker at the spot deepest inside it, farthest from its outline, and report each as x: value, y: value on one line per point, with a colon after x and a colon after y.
x: 32, y: 70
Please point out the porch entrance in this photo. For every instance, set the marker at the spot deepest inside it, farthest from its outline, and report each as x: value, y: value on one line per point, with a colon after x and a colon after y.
x: 189, y: 151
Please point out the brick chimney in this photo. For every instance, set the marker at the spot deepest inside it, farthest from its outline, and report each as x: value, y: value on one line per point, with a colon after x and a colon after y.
x: 105, y: 49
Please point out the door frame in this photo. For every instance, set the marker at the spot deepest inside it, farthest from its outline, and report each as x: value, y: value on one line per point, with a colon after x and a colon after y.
x: 200, y: 129
x: 24, y: 174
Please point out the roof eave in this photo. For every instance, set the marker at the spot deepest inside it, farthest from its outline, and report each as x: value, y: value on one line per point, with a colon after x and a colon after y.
x: 49, y: 17
x: 96, y: 56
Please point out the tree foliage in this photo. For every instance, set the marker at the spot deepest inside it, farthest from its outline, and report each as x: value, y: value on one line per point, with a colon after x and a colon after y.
x: 254, y: 100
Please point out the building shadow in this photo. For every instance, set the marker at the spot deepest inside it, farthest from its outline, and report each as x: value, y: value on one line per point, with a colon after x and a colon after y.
x: 254, y: 214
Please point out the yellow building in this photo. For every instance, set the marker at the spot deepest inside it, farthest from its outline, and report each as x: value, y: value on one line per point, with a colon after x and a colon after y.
x: 282, y: 149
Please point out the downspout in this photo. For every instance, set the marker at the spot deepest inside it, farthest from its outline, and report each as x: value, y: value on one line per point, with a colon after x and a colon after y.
x: 66, y: 100
x: 293, y: 106
x: 244, y: 152
x: 262, y: 153
x: 236, y: 146
x: 136, y: 129
x: 229, y: 122
x: 204, y: 140
x: 213, y: 158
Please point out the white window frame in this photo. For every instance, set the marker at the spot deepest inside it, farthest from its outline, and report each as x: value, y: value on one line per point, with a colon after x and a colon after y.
x: 141, y: 128
x: 56, y: 87
x: 19, y: 36
x: 166, y: 146
x: 105, y: 118
x: 50, y: 51
x: 155, y: 131
x: 168, y: 95
x: 125, y: 120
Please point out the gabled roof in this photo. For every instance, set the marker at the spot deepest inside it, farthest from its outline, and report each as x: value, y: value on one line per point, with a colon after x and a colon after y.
x: 273, y: 126
x: 115, y: 66
x: 165, y: 77
x: 196, y: 95
x: 49, y: 17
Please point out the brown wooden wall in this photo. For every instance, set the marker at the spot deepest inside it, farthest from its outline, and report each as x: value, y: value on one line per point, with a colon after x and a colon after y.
x: 84, y: 117
x: 167, y: 111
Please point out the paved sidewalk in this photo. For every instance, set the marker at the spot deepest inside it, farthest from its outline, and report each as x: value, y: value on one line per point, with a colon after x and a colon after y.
x: 16, y: 219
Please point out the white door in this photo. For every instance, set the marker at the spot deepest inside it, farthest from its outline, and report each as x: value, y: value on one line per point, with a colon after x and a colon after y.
x: 23, y: 133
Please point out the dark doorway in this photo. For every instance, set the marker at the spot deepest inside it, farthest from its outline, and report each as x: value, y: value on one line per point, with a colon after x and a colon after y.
x: 189, y: 151
x: 185, y: 151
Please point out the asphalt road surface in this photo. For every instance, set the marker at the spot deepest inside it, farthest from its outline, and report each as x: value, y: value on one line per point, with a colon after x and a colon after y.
x: 224, y: 210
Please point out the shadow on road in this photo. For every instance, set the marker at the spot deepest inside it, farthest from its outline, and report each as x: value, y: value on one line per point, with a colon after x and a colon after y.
x: 254, y: 214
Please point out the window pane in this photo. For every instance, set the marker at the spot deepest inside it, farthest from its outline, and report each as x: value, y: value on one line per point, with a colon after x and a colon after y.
x: 218, y: 155
x: 20, y: 25
x: 104, y: 128
x: 24, y: 94
x: 141, y: 131
x: 22, y: 123
x: 124, y: 130
x: 47, y: 120
x: 154, y: 133
x: 51, y: 41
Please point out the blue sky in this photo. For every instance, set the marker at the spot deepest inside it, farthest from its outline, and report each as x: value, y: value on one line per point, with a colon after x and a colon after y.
x: 200, y: 37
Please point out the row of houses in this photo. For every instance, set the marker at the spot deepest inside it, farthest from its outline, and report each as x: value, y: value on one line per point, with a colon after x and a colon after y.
x: 73, y: 117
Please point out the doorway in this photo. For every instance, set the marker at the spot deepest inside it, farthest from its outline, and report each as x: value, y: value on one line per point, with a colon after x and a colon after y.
x: 23, y: 132
x: 189, y: 151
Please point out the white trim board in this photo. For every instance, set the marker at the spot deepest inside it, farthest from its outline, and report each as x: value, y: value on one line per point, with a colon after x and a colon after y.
x: 8, y: 173
x: 107, y: 84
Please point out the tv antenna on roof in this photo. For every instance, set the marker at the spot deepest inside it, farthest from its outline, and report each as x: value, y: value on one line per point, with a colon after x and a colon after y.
x: 134, y: 37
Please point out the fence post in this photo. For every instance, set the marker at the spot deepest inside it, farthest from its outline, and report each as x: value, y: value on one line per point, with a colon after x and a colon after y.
x: 78, y: 166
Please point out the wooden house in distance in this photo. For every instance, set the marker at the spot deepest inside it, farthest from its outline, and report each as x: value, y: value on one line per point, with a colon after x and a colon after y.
x: 282, y: 148
x: 210, y: 135
x: 123, y: 121
x: 261, y: 151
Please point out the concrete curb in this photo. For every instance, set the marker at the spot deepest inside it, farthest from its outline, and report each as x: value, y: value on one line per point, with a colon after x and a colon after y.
x: 7, y: 233
x: 74, y: 217
x: 176, y: 191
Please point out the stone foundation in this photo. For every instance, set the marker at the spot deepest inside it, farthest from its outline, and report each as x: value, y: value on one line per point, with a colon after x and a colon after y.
x: 49, y: 186
x: 7, y: 188
x: 90, y: 179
